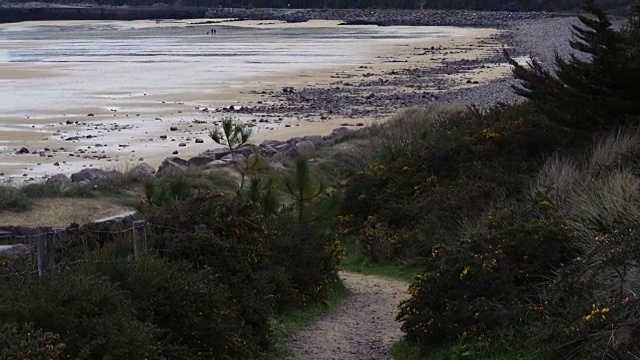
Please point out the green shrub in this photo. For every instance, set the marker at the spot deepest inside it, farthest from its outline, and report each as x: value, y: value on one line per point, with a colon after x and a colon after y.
x: 12, y: 199
x: 23, y: 342
x: 94, y: 318
x: 591, y: 306
x: 196, y: 319
x: 484, y: 281
x: 559, y: 275
x: 306, y: 257
x: 271, y: 259
x: 431, y: 175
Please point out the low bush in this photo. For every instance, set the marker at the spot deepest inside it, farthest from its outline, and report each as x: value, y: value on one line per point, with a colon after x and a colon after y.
x: 435, y: 169
x: 559, y: 274
x: 195, y: 318
x: 22, y: 342
x: 485, y: 280
x: 12, y: 199
x: 95, y: 319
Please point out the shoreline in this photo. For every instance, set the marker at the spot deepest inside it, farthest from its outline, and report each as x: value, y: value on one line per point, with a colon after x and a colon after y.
x: 308, y: 103
x: 103, y: 141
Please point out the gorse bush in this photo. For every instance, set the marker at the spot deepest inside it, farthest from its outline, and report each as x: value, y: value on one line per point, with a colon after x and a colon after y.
x: 454, y: 165
x: 195, y: 318
x: 22, y: 342
x: 93, y: 318
x: 560, y: 271
x: 484, y: 280
x: 593, y: 301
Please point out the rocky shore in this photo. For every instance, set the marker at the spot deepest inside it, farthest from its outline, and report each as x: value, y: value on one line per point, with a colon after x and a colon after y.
x: 387, y: 17
x: 381, y: 93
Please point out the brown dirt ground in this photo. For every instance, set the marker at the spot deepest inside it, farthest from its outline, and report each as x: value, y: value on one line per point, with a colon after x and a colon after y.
x: 61, y: 212
x: 362, y: 329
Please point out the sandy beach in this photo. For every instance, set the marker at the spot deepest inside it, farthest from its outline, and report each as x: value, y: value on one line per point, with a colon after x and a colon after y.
x: 127, y: 92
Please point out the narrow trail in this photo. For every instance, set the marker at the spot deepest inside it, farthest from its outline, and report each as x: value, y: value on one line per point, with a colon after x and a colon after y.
x: 362, y: 329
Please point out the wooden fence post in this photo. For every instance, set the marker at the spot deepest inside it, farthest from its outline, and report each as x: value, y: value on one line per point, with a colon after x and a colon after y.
x: 50, y: 248
x: 139, y: 238
x: 41, y: 253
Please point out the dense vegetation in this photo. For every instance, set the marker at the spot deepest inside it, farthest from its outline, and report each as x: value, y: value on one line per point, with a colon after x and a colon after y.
x: 220, y: 266
x: 522, y: 220
x: 509, y: 5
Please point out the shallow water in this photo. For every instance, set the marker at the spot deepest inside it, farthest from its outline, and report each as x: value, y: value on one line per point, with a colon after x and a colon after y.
x: 94, y: 64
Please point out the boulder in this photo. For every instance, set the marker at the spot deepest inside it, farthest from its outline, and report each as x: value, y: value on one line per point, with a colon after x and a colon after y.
x: 338, y: 135
x: 301, y: 148
x: 217, y: 154
x: 58, y: 179
x: 172, y: 164
x: 91, y: 175
x: 23, y: 150
x: 267, y: 151
x: 245, y: 151
x: 234, y: 158
x: 142, y: 171
x: 200, y: 161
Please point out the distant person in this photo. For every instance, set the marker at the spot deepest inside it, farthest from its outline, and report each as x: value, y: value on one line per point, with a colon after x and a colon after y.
x: 213, y: 31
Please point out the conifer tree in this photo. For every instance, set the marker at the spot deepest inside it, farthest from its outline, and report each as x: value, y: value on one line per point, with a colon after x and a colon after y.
x: 592, y: 91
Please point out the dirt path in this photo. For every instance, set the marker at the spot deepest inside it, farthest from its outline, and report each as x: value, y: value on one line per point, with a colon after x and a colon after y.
x: 362, y: 329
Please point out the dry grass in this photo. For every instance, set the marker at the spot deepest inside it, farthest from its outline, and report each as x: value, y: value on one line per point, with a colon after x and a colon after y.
x: 595, y: 191
x: 60, y: 212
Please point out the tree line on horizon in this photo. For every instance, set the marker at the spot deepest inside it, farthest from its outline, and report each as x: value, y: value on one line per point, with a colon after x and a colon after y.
x: 509, y: 5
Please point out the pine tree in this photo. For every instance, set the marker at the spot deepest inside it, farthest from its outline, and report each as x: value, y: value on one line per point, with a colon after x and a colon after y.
x: 595, y: 91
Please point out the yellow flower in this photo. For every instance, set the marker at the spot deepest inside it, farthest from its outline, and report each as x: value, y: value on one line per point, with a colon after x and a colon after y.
x: 464, y: 272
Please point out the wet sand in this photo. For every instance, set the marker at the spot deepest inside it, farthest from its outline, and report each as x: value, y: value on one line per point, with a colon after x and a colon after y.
x: 126, y: 126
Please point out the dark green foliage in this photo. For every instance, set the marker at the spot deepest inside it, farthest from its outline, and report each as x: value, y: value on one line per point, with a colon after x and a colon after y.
x: 592, y: 92
x: 196, y: 319
x: 12, y: 199
x: 305, y: 192
x: 250, y: 249
x: 94, y: 319
x: 456, y: 168
x: 485, y: 281
x: 592, y: 309
x: 23, y: 342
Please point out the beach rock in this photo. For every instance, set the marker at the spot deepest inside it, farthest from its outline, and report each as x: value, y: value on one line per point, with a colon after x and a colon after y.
x: 216, y: 154
x: 236, y: 157
x: 245, y: 151
x: 58, y: 179
x: 338, y: 135
x: 142, y: 171
x: 199, y: 141
x: 172, y: 164
x: 92, y: 175
x: 200, y: 160
x: 300, y: 148
x: 23, y: 150
x: 182, y: 144
x: 267, y: 151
